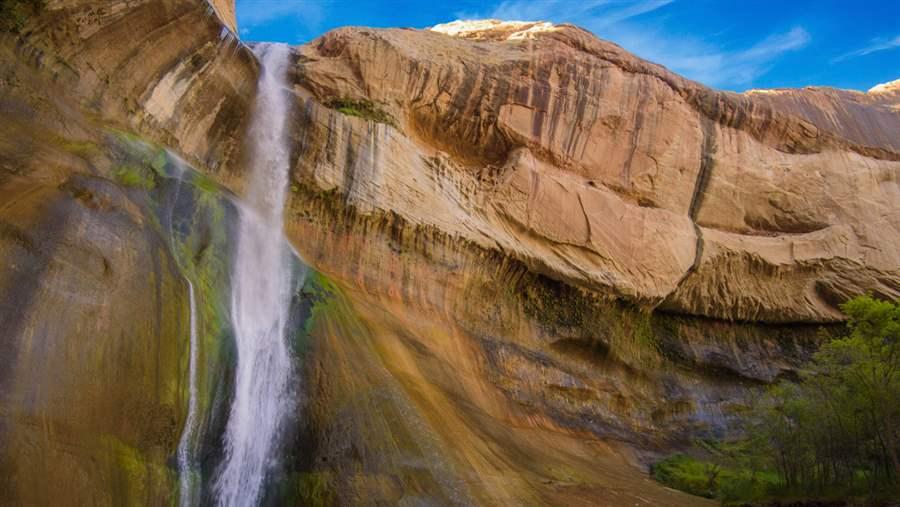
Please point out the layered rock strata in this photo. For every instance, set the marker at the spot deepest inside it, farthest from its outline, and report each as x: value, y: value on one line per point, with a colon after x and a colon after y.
x: 556, y: 148
x: 611, y: 173
x: 533, y: 228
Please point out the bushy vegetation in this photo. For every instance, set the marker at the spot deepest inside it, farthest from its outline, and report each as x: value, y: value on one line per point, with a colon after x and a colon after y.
x: 14, y: 13
x: 835, y: 434
x: 362, y: 109
x: 725, y: 480
x: 688, y: 474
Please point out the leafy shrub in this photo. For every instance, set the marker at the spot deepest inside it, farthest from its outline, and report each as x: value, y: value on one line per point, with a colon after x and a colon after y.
x: 834, y: 435
x: 730, y: 484
x: 837, y: 432
x: 687, y: 474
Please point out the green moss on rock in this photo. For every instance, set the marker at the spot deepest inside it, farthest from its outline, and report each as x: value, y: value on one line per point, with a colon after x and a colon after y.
x: 136, y: 474
x: 315, y: 489
x: 15, y: 13
x: 362, y: 108
x: 134, y: 177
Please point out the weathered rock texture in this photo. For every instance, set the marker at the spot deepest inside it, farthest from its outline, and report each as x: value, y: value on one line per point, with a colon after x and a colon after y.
x: 558, y: 149
x: 168, y: 69
x: 536, y: 229
x: 93, y: 315
x: 225, y: 11
x: 412, y: 407
x: 93, y: 303
x: 610, y: 172
x: 449, y: 374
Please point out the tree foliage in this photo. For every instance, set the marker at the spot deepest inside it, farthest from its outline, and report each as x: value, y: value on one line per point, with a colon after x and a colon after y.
x: 836, y: 432
x: 834, y: 435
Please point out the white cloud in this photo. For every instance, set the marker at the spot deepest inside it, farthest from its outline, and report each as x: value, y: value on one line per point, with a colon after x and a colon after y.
x: 621, y: 21
x: 875, y: 45
x: 708, y: 63
x: 692, y: 57
x: 307, y: 14
x: 567, y: 10
x: 632, y: 9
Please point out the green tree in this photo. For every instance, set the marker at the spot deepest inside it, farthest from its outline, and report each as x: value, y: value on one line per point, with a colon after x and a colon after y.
x: 836, y: 432
x: 867, y: 362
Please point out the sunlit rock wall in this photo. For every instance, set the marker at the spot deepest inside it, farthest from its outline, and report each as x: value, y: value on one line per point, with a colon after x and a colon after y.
x: 610, y: 172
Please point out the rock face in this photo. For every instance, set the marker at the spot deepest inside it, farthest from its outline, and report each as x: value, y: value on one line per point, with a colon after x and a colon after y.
x: 614, y: 174
x: 168, y: 69
x: 225, y: 11
x: 555, y: 259
x: 558, y: 149
x: 414, y: 406
x: 448, y: 373
x: 78, y: 424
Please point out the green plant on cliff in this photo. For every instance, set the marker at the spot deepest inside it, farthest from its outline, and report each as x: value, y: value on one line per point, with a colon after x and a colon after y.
x: 83, y: 149
x: 15, y: 13
x: 688, y: 474
x: 362, y: 108
x: 322, y: 292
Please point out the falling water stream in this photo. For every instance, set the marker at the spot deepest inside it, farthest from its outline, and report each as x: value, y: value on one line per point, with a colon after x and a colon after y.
x: 260, y: 299
x: 186, y: 483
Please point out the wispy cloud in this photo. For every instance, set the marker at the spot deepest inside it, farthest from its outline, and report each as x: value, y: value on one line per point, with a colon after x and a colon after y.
x: 307, y: 14
x: 708, y: 63
x: 607, y: 11
x: 875, y: 45
x: 620, y: 21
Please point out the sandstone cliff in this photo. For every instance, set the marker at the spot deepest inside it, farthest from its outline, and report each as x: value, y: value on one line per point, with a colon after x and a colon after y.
x: 172, y: 70
x: 612, y: 173
x: 532, y: 228
x: 539, y: 141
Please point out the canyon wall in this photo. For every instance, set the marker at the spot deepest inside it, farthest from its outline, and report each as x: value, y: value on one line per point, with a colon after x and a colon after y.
x: 541, y: 142
x: 530, y: 228
x: 169, y: 69
x: 611, y: 173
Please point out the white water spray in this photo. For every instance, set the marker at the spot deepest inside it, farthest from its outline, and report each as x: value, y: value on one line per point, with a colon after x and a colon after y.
x: 185, y: 480
x: 260, y: 300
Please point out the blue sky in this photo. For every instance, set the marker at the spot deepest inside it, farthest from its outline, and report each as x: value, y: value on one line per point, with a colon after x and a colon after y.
x: 729, y: 44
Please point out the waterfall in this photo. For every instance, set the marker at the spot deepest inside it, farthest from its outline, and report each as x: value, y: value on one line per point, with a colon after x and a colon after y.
x: 186, y: 483
x: 260, y: 299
